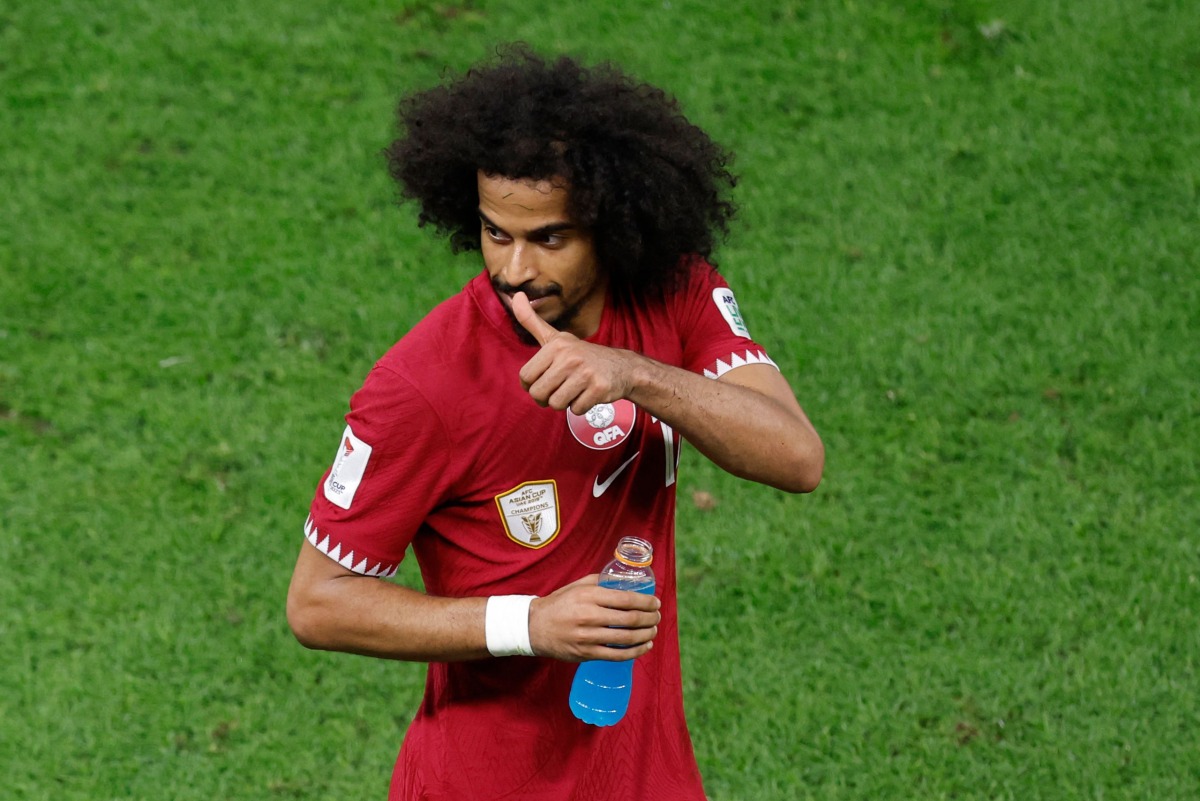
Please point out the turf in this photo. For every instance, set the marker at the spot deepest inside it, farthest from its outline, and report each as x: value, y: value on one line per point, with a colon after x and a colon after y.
x: 969, y: 235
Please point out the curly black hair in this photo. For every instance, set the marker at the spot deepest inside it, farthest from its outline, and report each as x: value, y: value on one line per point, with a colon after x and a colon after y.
x: 651, y: 187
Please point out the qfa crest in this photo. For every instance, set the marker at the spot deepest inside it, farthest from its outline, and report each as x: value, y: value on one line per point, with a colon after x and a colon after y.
x: 529, y: 512
x: 604, y: 426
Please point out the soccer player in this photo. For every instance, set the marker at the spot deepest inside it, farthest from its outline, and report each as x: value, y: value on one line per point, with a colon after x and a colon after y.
x: 524, y: 426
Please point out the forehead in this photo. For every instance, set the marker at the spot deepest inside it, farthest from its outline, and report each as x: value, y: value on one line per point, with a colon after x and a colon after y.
x: 522, y: 199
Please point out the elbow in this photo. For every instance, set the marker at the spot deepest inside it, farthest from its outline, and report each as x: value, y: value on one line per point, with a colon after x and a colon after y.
x: 304, y: 621
x: 808, y: 483
x: 810, y: 467
x: 794, y: 469
x: 802, y: 483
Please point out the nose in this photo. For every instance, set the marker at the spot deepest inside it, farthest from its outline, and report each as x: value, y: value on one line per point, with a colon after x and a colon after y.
x: 519, y: 265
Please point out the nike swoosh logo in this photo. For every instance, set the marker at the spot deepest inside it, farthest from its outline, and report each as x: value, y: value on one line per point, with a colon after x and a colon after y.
x: 599, y: 487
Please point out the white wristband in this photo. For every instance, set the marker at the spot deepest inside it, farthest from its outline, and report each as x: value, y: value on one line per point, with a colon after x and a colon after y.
x: 506, y: 625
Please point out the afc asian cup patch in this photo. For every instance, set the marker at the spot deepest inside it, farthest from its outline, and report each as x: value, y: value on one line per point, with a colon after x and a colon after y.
x: 349, y: 466
x: 727, y: 303
x: 529, y: 512
x: 604, y: 426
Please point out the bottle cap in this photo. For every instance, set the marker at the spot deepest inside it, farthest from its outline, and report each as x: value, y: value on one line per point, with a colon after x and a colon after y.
x: 634, y: 551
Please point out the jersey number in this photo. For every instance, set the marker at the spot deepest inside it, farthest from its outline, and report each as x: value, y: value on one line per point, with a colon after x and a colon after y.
x: 672, y: 452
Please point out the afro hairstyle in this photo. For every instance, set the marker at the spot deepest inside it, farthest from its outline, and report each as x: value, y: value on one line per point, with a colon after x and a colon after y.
x: 650, y: 187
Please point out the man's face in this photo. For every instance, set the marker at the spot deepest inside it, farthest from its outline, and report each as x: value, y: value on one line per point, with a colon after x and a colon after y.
x: 531, y: 245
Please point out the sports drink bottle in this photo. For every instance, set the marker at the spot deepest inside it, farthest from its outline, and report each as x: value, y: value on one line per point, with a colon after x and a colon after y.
x: 600, y: 691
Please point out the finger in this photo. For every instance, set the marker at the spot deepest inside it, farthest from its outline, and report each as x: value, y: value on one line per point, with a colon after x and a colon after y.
x: 566, y: 395
x: 637, y: 620
x: 533, y: 370
x: 544, y: 379
x: 562, y: 379
x: 608, y: 654
x: 541, y: 330
x: 580, y: 394
x: 627, y: 600
x: 589, y: 398
x: 622, y: 654
x: 621, y: 638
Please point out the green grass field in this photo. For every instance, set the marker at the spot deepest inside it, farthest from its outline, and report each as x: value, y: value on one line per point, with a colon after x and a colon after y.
x: 969, y: 234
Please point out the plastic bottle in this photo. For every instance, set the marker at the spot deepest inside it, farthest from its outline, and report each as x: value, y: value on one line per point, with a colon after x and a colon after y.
x: 600, y: 691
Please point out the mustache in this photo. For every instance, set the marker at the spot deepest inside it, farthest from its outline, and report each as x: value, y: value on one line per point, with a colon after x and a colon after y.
x: 531, y: 292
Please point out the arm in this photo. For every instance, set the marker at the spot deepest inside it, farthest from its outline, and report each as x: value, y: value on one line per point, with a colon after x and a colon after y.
x: 332, y: 608
x: 747, y: 422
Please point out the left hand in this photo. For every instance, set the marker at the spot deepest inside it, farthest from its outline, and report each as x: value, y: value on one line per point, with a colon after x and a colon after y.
x: 568, y: 372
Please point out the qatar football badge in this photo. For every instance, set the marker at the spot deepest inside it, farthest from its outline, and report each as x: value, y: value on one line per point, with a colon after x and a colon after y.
x: 604, y: 426
x: 530, y: 513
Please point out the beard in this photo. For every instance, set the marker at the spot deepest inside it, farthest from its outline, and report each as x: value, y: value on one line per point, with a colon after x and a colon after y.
x: 561, y: 323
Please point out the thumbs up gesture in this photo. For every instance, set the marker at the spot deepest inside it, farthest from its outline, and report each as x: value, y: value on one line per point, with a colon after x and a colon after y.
x: 569, y: 372
x: 538, y: 328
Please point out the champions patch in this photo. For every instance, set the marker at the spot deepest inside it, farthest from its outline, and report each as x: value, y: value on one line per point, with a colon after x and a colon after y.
x: 349, y: 466
x: 529, y: 512
x: 727, y: 303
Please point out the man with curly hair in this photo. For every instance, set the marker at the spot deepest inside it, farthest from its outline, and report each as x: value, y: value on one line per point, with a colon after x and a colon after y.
x: 530, y: 421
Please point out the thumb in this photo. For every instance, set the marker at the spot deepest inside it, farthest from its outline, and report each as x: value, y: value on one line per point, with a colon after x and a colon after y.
x: 541, y: 330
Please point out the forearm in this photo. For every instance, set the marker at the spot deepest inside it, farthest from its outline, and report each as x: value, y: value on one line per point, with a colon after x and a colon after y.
x: 332, y: 609
x: 754, y: 431
x: 362, y: 615
x: 747, y: 421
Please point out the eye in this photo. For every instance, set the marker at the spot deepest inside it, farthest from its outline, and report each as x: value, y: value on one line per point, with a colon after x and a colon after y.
x: 553, y: 240
x: 494, y: 233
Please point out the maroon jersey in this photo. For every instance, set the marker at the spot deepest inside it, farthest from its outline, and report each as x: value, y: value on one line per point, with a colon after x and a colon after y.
x: 444, y: 450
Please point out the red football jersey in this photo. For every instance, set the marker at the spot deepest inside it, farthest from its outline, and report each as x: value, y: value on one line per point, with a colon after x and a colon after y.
x: 445, y: 451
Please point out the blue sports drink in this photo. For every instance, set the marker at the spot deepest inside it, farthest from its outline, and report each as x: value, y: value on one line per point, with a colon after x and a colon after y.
x: 600, y: 691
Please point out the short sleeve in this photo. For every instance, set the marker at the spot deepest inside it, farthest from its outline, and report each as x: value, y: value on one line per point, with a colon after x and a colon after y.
x: 715, y: 336
x: 388, y: 474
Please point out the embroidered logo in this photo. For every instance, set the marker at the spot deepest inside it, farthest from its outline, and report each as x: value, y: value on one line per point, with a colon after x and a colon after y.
x: 600, y: 487
x: 604, y: 426
x: 349, y: 467
x: 529, y: 512
x: 727, y: 303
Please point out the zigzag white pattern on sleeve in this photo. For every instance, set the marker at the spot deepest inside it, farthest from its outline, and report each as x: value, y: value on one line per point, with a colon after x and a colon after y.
x: 720, y: 367
x: 380, y: 569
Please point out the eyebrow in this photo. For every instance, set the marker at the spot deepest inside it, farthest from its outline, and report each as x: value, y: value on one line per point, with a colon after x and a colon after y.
x: 545, y: 230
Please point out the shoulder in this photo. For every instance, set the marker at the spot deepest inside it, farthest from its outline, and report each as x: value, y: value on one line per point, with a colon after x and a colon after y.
x: 408, y: 382
x: 453, y: 339
x: 695, y: 281
x: 454, y: 361
x: 699, y: 287
x: 699, y: 277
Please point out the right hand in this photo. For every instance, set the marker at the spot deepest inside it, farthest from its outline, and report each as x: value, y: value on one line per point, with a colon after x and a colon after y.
x: 582, y: 620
